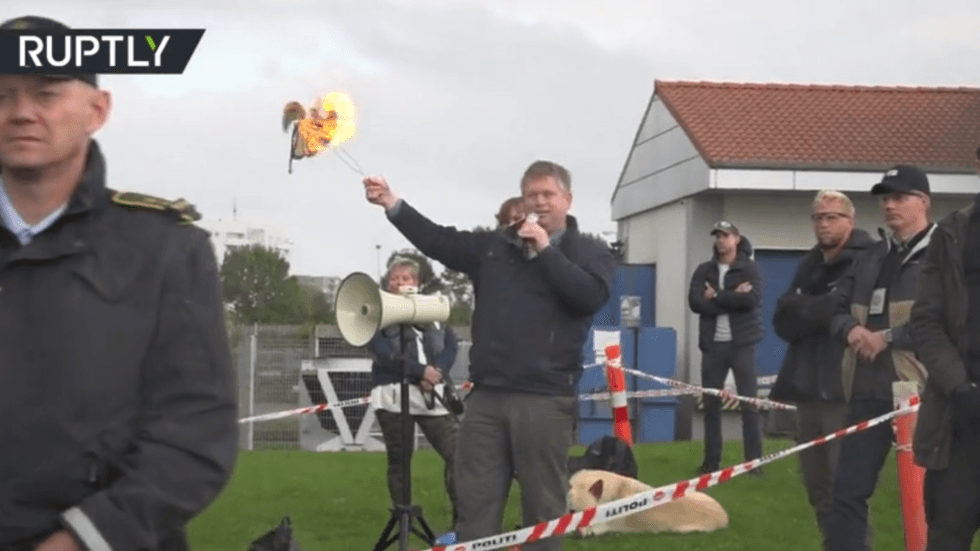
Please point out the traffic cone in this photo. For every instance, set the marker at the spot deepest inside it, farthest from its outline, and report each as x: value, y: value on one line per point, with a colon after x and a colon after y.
x: 911, y: 477
x: 617, y: 390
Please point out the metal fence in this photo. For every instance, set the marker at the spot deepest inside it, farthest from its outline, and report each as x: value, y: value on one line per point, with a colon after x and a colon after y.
x: 286, y: 367
x: 267, y: 358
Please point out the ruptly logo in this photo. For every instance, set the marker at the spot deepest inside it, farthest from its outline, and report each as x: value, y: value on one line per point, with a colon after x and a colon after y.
x: 134, y: 51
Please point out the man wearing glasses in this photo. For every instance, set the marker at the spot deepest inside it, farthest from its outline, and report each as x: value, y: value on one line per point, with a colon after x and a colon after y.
x: 876, y: 299
x: 811, y: 372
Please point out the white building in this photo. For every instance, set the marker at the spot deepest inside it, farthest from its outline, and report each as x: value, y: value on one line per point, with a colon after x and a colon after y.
x: 227, y: 235
x: 756, y: 154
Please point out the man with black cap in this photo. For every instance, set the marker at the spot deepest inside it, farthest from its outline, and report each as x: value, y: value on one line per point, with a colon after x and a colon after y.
x: 117, y: 394
x: 946, y: 331
x: 875, y: 302
x: 726, y: 292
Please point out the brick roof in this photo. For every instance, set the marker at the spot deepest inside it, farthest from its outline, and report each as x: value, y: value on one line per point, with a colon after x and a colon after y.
x: 827, y: 126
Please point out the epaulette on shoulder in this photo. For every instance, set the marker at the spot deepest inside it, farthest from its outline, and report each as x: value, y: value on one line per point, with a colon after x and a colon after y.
x: 185, y: 211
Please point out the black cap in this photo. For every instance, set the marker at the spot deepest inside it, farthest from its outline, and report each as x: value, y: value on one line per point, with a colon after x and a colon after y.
x: 902, y: 179
x: 37, y: 23
x: 724, y: 226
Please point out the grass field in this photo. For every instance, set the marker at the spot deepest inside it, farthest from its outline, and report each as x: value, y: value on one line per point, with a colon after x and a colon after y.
x: 338, y: 501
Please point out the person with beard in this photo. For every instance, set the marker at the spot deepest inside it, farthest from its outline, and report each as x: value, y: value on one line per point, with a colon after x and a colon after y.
x: 811, y: 372
x: 873, y: 318
x: 726, y: 292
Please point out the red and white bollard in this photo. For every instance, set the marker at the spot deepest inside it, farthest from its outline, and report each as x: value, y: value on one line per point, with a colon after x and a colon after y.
x: 617, y: 390
x: 911, y: 477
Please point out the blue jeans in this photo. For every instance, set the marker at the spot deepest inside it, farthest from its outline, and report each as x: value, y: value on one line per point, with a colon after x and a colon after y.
x: 862, y: 455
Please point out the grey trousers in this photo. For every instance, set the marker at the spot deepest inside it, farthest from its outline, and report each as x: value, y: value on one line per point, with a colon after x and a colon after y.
x: 440, y: 430
x: 506, y: 435
x: 818, y: 465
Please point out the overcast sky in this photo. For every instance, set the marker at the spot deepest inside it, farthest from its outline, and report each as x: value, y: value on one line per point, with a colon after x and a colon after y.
x: 457, y: 97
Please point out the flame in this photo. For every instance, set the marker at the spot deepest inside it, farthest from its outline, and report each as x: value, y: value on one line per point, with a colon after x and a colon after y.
x: 329, y: 122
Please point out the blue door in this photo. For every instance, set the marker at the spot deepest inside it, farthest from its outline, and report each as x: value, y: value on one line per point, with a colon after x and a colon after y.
x: 638, y: 280
x: 776, y: 269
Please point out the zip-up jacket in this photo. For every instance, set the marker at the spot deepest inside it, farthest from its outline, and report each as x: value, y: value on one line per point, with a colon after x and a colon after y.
x: 742, y: 308
x: 939, y: 335
x: 438, y: 343
x: 532, y: 316
x: 811, y: 369
x: 854, y: 294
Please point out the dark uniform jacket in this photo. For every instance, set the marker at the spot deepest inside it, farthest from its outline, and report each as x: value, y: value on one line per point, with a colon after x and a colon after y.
x: 742, y: 308
x: 811, y: 369
x: 532, y: 317
x: 855, y: 291
x: 117, y: 395
x: 939, y: 334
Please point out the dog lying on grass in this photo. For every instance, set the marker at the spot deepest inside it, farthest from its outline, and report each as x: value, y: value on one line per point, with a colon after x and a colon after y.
x: 695, y: 512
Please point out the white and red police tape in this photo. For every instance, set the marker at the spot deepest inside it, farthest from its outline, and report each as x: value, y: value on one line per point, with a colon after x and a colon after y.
x: 307, y: 410
x: 656, y: 496
x: 681, y: 389
x: 695, y: 389
x: 367, y: 399
x: 657, y: 393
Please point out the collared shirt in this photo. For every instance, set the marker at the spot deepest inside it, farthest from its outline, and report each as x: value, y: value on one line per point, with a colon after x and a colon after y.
x: 12, y: 220
x: 555, y: 239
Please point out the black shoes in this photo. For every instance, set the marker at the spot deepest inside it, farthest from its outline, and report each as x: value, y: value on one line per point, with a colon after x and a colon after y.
x: 707, y: 468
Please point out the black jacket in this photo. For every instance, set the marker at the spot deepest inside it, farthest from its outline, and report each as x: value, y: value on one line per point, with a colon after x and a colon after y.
x: 117, y: 393
x: 742, y: 308
x: 855, y: 289
x: 438, y: 343
x: 939, y: 336
x: 811, y: 369
x: 532, y: 317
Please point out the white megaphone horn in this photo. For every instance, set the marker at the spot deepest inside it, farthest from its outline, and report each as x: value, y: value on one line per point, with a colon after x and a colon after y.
x: 363, y: 309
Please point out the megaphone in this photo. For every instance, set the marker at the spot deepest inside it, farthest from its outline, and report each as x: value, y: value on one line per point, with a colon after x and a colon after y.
x: 363, y: 309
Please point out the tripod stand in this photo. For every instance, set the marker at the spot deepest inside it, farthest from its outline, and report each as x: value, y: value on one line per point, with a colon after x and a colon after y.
x: 404, y: 513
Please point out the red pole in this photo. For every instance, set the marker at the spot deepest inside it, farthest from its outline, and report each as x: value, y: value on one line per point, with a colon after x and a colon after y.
x: 617, y: 389
x: 911, y: 477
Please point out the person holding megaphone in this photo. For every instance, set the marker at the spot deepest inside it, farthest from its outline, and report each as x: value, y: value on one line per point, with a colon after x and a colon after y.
x: 429, y: 354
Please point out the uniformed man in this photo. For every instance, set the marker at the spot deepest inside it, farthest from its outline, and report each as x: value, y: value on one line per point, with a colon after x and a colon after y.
x: 117, y: 395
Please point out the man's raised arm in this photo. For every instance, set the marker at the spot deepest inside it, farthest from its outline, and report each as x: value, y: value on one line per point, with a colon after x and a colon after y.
x: 457, y: 250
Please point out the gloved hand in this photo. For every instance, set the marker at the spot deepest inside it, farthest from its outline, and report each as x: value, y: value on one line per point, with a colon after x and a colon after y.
x: 966, y: 407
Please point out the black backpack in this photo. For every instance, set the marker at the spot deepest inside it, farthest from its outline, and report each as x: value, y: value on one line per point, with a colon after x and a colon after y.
x: 606, y: 454
x: 279, y: 538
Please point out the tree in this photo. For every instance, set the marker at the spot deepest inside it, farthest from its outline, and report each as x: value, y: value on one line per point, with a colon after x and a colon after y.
x: 597, y: 238
x: 255, y: 281
x: 319, y: 309
x: 460, y: 290
x: 458, y: 286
